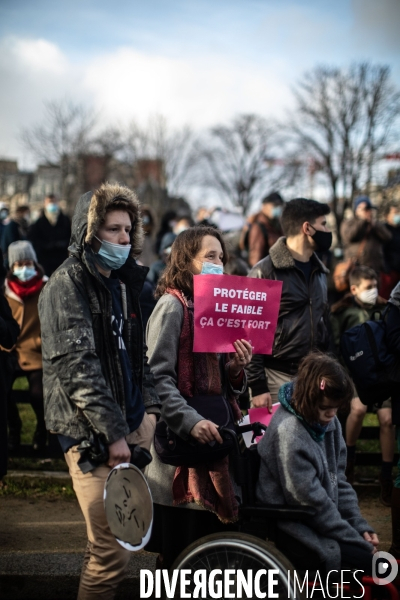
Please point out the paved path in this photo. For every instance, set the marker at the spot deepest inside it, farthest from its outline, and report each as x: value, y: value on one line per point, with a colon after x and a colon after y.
x: 41, y: 551
x: 42, y: 544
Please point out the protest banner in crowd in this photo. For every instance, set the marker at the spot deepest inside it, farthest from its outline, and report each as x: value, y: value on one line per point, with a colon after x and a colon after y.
x: 228, y: 307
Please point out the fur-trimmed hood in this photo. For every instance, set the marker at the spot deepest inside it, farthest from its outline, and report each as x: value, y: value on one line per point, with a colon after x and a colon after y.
x: 90, y: 213
x: 282, y: 258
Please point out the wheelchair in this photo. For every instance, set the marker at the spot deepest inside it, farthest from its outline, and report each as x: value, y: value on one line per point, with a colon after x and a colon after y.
x: 255, y: 544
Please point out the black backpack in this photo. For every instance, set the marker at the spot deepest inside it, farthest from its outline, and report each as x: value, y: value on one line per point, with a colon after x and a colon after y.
x: 373, y: 367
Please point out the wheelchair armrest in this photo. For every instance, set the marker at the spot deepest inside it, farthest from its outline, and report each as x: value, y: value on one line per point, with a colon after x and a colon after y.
x: 279, y: 512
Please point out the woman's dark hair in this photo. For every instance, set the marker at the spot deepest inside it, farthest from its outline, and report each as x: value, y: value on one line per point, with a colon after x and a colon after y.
x: 316, y: 371
x: 178, y: 273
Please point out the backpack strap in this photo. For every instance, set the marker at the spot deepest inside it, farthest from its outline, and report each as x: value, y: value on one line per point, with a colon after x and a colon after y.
x: 372, y: 343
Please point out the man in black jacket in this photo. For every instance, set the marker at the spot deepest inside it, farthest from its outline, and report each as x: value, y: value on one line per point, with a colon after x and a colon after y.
x: 303, y: 312
x: 50, y: 235
x: 97, y: 383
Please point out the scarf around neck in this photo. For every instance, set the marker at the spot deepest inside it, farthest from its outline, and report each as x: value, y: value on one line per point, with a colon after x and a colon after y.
x: 25, y: 289
x: 208, y: 485
x: 285, y: 394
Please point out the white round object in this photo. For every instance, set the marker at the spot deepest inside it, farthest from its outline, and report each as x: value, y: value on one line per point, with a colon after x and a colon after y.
x: 129, y: 506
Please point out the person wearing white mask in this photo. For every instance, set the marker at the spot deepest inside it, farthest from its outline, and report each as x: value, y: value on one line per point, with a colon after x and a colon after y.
x: 50, y: 235
x: 354, y: 308
x: 24, y: 282
x: 98, y: 389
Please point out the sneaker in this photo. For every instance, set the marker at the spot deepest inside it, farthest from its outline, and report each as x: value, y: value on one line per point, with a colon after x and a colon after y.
x: 350, y: 471
x: 385, y: 496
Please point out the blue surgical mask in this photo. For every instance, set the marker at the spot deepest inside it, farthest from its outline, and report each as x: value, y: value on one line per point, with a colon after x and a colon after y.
x: 52, y: 208
x: 24, y: 273
x: 210, y: 268
x: 112, y: 256
x: 276, y: 212
x: 396, y: 220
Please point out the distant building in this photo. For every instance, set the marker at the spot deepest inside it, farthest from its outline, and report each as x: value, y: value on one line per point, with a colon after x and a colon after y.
x: 89, y: 171
x: 14, y: 184
x: 46, y: 180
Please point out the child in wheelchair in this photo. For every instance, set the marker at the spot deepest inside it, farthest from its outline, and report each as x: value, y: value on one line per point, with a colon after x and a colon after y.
x: 303, y: 461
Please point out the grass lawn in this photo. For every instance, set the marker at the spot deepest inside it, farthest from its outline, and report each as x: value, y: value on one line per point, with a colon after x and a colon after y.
x: 37, y: 488
x: 28, y: 488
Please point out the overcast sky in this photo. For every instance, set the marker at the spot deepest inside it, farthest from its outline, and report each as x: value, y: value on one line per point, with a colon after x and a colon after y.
x: 196, y: 61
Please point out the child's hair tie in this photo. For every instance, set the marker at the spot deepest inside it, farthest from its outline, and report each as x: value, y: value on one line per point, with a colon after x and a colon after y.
x: 322, y: 384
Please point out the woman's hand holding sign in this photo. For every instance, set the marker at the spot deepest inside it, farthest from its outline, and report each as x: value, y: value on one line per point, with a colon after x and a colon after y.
x: 206, y: 431
x: 240, y: 359
x: 262, y: 400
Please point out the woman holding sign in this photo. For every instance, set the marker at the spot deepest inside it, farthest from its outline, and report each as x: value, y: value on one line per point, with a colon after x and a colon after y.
x: 181, y: 377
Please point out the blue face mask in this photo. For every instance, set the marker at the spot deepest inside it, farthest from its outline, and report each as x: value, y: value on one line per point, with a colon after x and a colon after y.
x: 24, y: 273
x: 396, y: 220
x: 210, y: 268
x: 112, y: 256
x: 276, y: 212
x: 52, y: 208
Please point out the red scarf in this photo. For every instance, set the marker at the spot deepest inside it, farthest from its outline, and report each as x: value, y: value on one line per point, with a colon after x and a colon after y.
x: 210, y: 485
x: 24, y: 289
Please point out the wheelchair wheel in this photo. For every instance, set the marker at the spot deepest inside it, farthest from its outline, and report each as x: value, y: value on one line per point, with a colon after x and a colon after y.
x: 239, y: 551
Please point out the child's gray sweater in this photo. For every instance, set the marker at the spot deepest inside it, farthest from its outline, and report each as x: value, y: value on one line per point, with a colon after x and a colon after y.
x: 299, y: 471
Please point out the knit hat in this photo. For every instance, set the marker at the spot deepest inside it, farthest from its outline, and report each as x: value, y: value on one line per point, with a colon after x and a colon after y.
x: 21, y: 250
x: 362, y: 199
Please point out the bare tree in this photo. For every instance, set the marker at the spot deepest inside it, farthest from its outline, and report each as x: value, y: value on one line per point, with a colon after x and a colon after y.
x: 64, y: 134
x: 235, y: 161
x: 158, y: 141
x: 345, y: 119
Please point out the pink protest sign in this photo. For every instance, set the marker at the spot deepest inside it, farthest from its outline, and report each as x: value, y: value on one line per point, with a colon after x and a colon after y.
x: 228, y: 308
x: 262, y: 415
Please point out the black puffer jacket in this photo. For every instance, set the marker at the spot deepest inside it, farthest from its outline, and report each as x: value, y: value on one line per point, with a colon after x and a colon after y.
x: 82, y: 376
x: 303, y: 314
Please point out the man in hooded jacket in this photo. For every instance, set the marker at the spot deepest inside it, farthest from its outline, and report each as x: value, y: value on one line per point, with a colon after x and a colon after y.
x: 98, y: 387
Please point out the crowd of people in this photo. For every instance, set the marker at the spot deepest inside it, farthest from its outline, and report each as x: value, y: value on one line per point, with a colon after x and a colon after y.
x: 97, y: 314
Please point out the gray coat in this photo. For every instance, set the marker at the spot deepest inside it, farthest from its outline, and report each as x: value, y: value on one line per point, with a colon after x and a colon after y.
x: 298, y: 471
x: 163, y: 332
